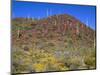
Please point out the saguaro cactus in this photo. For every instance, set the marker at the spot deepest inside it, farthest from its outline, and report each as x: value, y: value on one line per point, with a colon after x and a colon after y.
x: 77, y: 29
x: 18, y: 33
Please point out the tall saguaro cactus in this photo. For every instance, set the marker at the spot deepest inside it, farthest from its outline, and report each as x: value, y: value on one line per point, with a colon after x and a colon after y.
x: 18, y: 31
x: 77, y: 29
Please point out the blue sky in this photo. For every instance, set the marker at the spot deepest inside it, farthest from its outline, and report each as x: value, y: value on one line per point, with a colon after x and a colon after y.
x: 86, y: 14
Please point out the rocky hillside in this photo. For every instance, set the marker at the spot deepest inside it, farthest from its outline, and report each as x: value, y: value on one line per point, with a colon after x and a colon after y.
x: 62, y: 39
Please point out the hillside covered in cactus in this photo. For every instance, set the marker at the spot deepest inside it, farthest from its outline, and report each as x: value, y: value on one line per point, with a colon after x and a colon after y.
x: 56, y: 43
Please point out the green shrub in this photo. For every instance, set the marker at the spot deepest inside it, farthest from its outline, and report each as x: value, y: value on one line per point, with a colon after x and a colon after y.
x: 90, y: 61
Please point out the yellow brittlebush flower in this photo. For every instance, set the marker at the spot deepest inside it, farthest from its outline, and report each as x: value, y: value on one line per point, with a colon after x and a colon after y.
x: 39, y: 67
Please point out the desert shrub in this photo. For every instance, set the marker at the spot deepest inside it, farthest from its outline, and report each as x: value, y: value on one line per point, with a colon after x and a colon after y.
x: 51, y: 44
x: 62, y: 66
x: 89, y: 57
x: 90, y: 61
x: 70, y: 41
x: 41, y: 44
x: 72, y: 62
